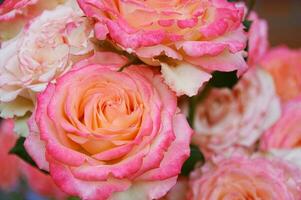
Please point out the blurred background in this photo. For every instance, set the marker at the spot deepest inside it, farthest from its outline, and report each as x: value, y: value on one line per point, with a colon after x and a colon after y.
x: 284, y: 19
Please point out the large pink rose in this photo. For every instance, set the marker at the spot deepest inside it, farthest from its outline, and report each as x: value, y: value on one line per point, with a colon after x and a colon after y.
x: 243, y: 178
x: 109, y: 134
x: 189, y: 38
x: 46, y: 49
x: 9, y: 166
x: 236, y: 117
x: 41, y: 183
x: 284, y: 65
x: 14, y: 14
x: 258, y: 39
x: 284, y: 138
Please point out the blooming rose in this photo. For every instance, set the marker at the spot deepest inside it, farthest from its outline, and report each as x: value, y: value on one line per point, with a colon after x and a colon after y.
x: 284, y: 138
x: 284, y: 65
x: 46, y: 49
x: 9, y: 166
x: 14, y: 14
x: 41, y: 183
x: 189, y: 38
x: 109, y: 134
x: 236, y: 117
x: 243, y: 178
x: 258, y: 39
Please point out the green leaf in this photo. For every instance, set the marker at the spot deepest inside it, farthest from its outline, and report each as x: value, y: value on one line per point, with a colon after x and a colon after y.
x: 224, y: 79
x: 247, y: 24
x: 195, y: 157
x: 21, y: 152
x: 73, y: 198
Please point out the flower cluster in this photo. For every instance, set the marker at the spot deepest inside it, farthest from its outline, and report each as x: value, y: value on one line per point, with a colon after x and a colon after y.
x: 121, y: 100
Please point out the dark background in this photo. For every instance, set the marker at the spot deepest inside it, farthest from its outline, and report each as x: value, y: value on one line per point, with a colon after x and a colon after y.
x: 284, y: 19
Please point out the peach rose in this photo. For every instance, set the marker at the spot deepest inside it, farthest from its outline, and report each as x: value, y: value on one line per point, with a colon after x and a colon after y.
x: 284, y: 65
x: 14, y: 14
x: 190, y: 39
x: 258, y: 39
x: 227, y: 118
x: 108, y: 134
x: 46, y: 49
x: 243, y: 178
x: 9, y: 166
x: 284, y: 138
x: 41, y: 183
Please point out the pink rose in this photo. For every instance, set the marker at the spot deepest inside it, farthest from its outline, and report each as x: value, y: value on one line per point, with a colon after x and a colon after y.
x: 14, y: 14
x: 189, y: 39
x: 10, y: 8
x: 284, y: 138
x: 284, y: 65
x: 109, y: 134
x: 41, y: 183
x: 229, y: 118
x: 45, y: 50
x: 9, y: 166
x: 258, y: 39
x: 243, y: 178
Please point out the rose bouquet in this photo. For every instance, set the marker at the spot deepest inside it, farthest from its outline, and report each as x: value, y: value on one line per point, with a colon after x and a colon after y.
x: 130, y: 99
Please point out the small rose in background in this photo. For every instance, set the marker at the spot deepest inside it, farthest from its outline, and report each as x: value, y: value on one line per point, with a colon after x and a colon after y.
x: 246, y: 178
x: 45, y: 50
x: 14, y: 14
x: 284, y: 138
x: 107, y: 134
x: 237, y: 117
x: 9, y: 166
x: 284, y: 65
x: 41, y: 183
x: 190, y: 39
x: 258, y: 39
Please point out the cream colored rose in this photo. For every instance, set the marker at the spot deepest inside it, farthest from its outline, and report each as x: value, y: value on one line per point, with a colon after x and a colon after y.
x: 230, y: 118
x: 41, y: 53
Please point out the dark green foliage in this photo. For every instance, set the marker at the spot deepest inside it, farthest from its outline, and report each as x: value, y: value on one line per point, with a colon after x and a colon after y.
x: 195, y: 157
x: 247, y: 24
x: 73, y: 198
x: 20, y: 151
x: 223, y: 79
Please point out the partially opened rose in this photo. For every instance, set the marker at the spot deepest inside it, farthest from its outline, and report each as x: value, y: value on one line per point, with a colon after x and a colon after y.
x: 14, y: 14
x: 189, y: 38
x: 244, y: 179
x: 40, y: 54
x: 109, y: 134
x: 227, y: 118
x: 284, y: 65
x: 284, y: 138
x: 9, y: 166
